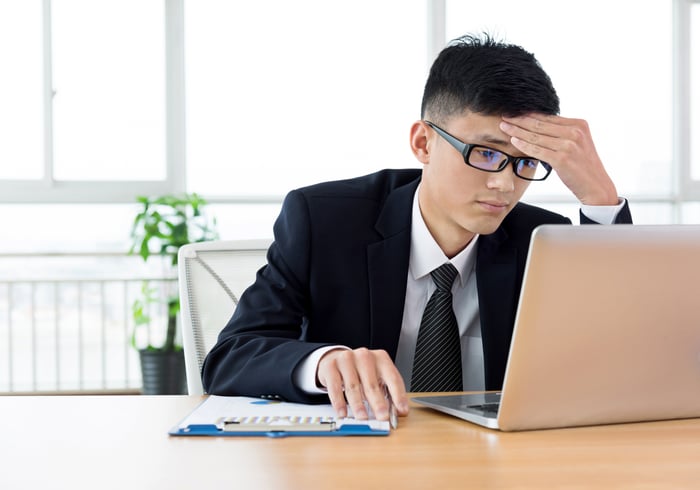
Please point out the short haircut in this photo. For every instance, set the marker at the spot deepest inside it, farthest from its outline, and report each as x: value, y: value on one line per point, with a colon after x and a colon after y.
x: 482, y: 75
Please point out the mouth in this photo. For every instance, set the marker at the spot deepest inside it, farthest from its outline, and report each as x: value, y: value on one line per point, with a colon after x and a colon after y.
x: 494, y: 206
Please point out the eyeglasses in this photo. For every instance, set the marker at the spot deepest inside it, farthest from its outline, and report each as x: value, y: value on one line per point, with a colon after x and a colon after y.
x: 490, y: 160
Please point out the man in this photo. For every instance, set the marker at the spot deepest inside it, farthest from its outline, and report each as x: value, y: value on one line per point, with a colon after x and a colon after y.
x: 336, y: 313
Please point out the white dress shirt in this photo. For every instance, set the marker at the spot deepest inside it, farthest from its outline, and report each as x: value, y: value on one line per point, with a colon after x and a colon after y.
x: 425, y: 256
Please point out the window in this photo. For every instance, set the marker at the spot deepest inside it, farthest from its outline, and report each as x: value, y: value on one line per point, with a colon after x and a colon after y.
x: 21, y: 88
x: 242, y: 101
x: 275, y: 100
x: 84, y: 100
x: 686, y: 22
x: 693, y: 85
x: 109, y: 97
x: 600, y: 65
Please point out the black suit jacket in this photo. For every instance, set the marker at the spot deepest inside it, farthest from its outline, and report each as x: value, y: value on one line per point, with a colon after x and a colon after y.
x: 336, y: 274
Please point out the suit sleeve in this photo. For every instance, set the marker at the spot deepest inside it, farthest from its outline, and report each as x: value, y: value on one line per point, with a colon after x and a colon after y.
x: 260, y: 347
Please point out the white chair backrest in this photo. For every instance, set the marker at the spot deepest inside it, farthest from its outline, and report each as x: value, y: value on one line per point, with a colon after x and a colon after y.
x: 212, y: 276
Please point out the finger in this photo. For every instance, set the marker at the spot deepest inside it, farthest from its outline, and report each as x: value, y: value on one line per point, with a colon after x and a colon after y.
x: 372, y: 385
x: 535, y: 151
x: 392, y: 382
x: 543, y: 123
x: 532, y: 123
x: 534, y: 139
x: 563, y: 130
x: 336, y: 395
x: 397, y: 389
x: 351, y: 382
x: 330, y: 378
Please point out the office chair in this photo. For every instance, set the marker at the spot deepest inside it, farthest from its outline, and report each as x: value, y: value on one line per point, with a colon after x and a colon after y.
x: 212, y: 275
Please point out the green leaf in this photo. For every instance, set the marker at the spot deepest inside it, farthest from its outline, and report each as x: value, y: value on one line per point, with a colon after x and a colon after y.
x: 144, y: 251
x: 161, y: 226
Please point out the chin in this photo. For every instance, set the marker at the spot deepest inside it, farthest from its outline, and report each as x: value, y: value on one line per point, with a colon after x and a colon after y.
x: 485, y: 228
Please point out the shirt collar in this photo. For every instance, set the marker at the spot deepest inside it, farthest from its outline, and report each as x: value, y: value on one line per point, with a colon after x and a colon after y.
x: 426, y: 254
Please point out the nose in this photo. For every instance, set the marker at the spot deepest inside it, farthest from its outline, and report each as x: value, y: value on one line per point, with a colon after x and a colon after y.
x: 503, y: 181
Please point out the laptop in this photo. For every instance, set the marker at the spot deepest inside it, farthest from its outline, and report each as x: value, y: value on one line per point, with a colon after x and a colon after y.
x: 607, y: 331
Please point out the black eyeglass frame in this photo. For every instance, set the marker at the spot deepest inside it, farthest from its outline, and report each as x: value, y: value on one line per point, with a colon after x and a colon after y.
x: 466, y: 148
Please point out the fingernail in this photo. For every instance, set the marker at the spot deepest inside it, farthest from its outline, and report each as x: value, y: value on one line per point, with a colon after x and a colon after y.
x: 505, y: 126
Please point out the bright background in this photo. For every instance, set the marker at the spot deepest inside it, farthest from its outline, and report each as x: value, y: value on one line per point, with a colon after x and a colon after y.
x: 243, y: 101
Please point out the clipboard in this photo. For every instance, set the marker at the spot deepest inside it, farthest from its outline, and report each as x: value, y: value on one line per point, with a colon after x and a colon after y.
x: 246, y: 416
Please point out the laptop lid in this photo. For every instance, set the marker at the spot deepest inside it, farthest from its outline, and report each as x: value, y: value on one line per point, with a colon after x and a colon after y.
x: 607, y: 329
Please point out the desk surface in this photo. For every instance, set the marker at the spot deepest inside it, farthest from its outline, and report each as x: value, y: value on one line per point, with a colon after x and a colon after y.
x: 120, y: 442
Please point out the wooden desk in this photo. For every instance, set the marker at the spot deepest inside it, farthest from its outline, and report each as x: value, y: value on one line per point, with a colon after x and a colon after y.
x: 110, y: 442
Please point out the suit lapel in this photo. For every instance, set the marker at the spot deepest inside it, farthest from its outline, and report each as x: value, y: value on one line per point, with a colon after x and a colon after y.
x: 387, y: 261
x: 496, y: 275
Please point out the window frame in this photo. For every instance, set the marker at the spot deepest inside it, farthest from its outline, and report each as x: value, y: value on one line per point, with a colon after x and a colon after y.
x: 49, y: 190
x: 687, y: 188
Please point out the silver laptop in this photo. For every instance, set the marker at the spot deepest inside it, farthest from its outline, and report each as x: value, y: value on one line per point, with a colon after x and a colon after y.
x: 607, y: 331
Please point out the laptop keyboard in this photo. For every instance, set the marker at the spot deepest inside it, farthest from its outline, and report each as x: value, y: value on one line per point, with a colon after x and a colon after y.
x: 486, y: 407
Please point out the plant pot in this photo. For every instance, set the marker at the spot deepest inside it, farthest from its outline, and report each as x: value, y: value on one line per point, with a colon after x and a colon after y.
x: 163, y: 372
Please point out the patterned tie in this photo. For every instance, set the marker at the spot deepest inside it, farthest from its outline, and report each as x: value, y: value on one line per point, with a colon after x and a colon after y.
x: 437, y: 365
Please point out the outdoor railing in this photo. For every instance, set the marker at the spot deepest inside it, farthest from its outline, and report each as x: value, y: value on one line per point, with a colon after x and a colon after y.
x: 66, y: 323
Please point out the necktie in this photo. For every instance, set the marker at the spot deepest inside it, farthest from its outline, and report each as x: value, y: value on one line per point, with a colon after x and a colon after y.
x: 437, y: 365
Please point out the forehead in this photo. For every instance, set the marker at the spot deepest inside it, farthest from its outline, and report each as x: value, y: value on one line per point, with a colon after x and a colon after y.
x: 472, y: 127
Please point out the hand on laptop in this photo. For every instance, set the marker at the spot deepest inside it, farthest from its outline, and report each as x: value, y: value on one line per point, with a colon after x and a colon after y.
x: 353, y: 376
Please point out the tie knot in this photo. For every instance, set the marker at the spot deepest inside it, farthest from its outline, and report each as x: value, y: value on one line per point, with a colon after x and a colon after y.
x: 444, y: 276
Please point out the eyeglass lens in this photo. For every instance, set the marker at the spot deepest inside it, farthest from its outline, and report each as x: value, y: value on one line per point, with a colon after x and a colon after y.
x: 492, y: 160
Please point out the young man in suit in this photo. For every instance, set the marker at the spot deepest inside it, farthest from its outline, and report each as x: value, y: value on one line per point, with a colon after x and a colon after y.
x: 337, y: 311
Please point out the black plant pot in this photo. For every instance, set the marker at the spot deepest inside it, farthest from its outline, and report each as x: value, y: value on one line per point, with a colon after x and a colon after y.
x: 163, y: 372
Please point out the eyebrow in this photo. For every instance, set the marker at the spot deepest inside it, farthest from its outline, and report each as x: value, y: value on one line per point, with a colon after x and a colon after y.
x: 491, y: 139
x: 495, y: 140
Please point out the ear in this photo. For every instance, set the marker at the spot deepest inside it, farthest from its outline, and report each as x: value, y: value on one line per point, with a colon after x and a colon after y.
x: 419, y: 141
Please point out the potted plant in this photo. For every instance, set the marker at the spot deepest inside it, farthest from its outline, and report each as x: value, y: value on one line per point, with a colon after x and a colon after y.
x: 162, y: 226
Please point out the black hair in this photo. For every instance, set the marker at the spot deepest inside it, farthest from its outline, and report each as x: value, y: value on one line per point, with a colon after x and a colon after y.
x: 482, y: 75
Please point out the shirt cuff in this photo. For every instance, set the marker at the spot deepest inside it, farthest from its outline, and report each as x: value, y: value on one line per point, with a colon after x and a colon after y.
x: 605, y: 215
x: 305, y: 374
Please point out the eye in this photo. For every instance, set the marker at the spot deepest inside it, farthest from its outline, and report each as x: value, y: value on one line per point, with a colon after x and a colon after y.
x: 529, y: 163
x: 488, y: 154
